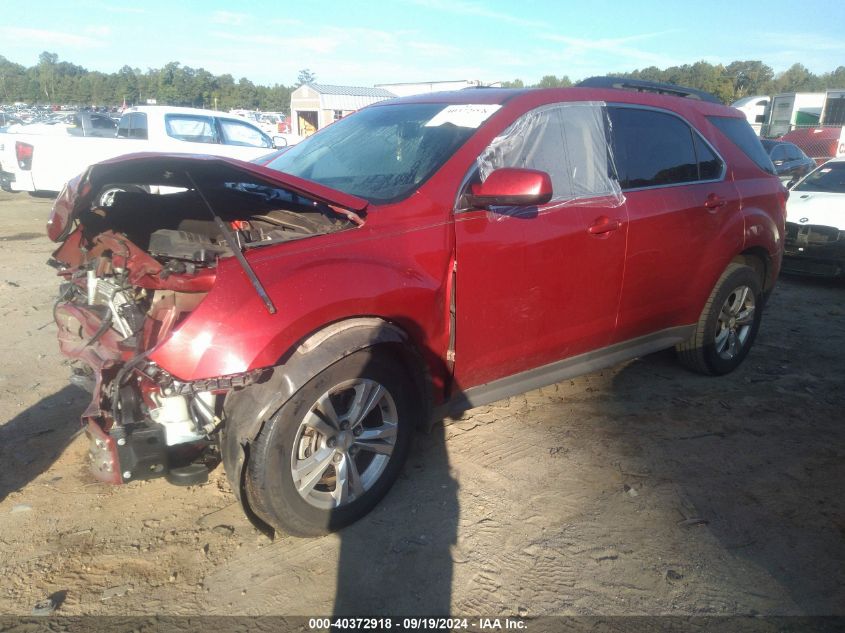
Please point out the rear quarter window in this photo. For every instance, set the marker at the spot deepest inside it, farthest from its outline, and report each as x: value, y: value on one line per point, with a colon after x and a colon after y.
x: 740, y: 133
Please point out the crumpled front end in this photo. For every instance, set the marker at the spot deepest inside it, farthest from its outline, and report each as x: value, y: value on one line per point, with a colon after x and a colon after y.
x: 135, y: 262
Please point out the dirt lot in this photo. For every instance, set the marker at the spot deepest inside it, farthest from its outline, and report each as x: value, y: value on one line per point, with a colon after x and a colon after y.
x: 639, y: 490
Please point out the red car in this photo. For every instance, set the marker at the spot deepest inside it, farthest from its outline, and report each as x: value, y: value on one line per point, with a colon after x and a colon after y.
x: 297, y: 319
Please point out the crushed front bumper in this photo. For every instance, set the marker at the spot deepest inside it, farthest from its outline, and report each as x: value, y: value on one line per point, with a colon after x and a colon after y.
x: 814, y: 250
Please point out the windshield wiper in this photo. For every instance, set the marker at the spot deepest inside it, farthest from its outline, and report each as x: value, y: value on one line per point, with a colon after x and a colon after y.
x: 236, y: 249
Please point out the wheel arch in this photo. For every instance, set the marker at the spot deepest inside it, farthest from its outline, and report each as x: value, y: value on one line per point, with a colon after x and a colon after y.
x: 759, y: 260
x: 247, y: 409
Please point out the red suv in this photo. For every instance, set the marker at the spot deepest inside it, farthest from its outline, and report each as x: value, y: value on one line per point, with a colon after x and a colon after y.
x: 297, y: 318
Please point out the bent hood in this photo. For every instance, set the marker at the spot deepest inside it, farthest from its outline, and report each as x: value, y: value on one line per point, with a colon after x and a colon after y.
x: 816, y: 207
x: 170, y: 170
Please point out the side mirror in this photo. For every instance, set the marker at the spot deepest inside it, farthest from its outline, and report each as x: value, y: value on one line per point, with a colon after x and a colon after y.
x: 792, y: 183
x: 510, y: 186
x: 279, y: 142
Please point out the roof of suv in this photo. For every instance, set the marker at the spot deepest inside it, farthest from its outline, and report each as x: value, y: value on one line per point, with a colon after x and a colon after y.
x: 500, y: 96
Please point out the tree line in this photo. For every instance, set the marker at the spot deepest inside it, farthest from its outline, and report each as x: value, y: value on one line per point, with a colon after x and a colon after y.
x: 60, y: 82
x: 736, y: 80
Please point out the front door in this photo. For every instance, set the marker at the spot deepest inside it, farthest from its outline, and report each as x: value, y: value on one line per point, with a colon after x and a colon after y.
x: 535, y: 285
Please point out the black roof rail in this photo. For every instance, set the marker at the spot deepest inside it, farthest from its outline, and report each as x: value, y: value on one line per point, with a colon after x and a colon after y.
x: 639, y: 85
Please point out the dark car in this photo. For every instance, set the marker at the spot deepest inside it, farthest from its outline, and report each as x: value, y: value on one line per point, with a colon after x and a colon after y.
x: 789, y: 161
x: 415, y: 259
x: 7, y: 119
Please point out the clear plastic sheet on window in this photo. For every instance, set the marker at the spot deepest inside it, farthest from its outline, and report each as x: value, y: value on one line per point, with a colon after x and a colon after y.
x: 570, y: 142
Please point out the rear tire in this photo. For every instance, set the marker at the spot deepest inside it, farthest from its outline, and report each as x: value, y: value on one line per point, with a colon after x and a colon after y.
x: 332, y: 451
x: 728, y: 324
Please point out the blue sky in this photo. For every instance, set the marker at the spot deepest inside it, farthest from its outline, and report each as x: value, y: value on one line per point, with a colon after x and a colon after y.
x: 364, y: 42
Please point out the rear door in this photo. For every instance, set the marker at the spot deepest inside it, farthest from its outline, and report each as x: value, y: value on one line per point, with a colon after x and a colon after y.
x: 680, y: 207
x: 535, y: 285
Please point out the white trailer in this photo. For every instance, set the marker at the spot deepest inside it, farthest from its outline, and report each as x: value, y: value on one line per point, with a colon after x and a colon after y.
x: 793, y: 109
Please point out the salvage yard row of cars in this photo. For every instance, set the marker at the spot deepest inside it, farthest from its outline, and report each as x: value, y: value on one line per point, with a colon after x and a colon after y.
x: 297, y: 316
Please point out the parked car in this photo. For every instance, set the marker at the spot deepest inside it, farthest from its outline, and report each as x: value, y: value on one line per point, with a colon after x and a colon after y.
x: 789, y: 161
x: 69, y: 124
x: 420, y: 257
x: 815, y: 223
x: 819, y: 143
x: 39, y: 163
x: 7, y: 119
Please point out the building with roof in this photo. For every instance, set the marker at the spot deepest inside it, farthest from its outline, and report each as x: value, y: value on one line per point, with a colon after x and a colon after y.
x: 407, y: 89
x: 314, y: 106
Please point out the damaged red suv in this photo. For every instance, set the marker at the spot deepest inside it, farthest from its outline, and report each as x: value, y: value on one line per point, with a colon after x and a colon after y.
x: 296, y: 319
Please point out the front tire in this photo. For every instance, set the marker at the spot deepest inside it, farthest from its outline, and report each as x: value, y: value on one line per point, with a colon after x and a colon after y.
x: 332, y: 451
x: 728, y: 324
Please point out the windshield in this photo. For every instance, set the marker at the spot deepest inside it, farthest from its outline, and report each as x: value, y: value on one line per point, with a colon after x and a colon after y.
x: 381, y: 154
x: 829, y: 177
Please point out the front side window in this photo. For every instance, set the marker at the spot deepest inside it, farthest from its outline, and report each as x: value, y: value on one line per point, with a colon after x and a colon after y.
x: 238, y: 133
x: 567, y: 141
x: 191, y: 128
x: 655, y: 149
x: 386, y: 152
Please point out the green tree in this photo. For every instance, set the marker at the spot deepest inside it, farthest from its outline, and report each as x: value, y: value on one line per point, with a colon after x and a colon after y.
x: 47, y: 73
x: 305, y: 76
x: 551, y: 81
x: 750, y: 77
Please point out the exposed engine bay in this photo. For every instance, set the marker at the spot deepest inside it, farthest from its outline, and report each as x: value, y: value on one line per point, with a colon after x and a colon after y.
x: 137, y: 261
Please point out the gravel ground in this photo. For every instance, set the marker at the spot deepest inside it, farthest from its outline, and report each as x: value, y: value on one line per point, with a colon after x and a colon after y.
x: 643, y: 489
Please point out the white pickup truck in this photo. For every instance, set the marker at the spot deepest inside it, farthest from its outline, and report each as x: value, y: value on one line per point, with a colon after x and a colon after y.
x: 44, y: 163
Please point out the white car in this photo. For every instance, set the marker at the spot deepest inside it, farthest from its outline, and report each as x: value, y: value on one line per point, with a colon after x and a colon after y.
x: 44, y: 162
x: 815, y: 222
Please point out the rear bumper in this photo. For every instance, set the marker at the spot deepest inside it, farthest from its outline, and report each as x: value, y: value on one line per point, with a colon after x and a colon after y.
x: 6, y: 180
x: 14, y: 182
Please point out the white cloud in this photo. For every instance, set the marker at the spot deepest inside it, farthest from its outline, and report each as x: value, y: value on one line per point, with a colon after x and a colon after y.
x: 229, y: 18
x: 476, y: 9
x: 98, y: 31
x: 52, y: 38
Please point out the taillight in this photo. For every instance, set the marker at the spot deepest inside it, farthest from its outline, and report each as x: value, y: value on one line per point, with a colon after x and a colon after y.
x: 23, y: 152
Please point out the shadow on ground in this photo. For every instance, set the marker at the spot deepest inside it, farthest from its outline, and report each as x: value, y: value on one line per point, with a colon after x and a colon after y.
x: 769, y: 436
x: 32, y: 440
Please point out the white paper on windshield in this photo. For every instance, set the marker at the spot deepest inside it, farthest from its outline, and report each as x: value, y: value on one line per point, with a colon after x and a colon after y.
x: 464, y: 115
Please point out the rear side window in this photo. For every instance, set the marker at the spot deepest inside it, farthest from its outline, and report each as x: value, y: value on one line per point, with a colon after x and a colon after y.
x: 654, y: 149
x: 132, y: 125
x: 741, y: 134
x: 138, y: 125
x: 194, y: 129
